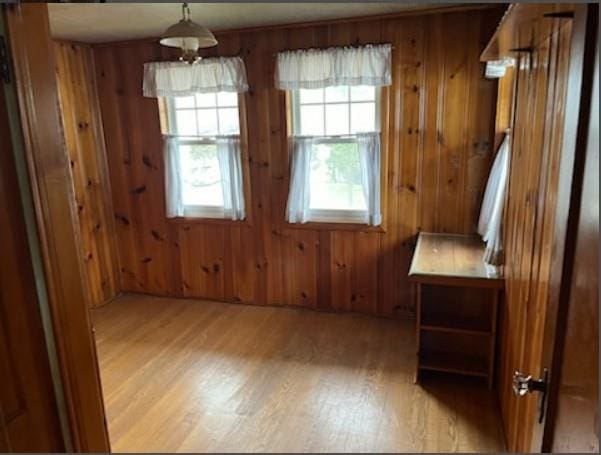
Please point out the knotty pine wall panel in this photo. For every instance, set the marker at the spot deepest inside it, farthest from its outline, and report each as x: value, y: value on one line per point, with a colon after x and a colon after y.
x: 437, y: 135
x: 85, y: 144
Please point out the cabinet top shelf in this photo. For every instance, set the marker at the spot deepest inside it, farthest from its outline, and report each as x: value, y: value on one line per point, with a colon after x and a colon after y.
x: 454, y: 260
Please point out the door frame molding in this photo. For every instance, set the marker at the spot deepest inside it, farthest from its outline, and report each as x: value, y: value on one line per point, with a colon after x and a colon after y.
x: 10, y: 109
x: 33, y: 68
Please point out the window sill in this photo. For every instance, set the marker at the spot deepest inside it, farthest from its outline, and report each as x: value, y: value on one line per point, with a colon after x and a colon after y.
x: 197, y: 221
x: 334, y: 226
x: 337, y: 220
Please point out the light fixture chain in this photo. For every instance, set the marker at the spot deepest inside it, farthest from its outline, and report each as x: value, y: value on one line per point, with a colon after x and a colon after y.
x: 188, y: 36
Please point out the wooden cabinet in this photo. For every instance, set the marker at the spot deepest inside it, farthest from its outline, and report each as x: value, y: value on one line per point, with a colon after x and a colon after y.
x: 457, y: 305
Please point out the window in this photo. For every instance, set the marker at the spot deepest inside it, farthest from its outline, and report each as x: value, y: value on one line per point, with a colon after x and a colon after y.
x: 335, y: 116
x: 336, y: 111
x: 201, y: 178
x: 335, y: 144
x: 207, y: 128
x: 205, y: 115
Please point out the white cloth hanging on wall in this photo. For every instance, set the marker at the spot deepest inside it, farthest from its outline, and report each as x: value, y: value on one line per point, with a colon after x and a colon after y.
x: 491, y: 213
x: 335, y: 66
x: 232, y: 184
x: 174, y: 202
x: 369, y: 161
x: 210, y: 75
x: 298, y: 209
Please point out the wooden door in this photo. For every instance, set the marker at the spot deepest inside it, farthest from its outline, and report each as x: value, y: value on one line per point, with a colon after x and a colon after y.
x: 29, y: 419
x: 572, y: 416
x: 540, y: 93
x: 549, y: 88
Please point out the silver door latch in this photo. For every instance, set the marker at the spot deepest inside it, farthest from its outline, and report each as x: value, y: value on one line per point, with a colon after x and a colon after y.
x: 523, y: 384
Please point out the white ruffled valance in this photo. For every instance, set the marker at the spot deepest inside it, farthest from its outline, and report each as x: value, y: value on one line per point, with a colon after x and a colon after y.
x: 319, y: 68
x: 210, y: 75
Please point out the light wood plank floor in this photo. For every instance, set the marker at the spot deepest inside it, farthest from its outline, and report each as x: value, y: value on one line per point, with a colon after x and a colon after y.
x: 197, y: 376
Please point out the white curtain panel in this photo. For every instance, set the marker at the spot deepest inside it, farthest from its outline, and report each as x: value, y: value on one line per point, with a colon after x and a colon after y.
x: 174, y: 202
x: 491, y: 214
x: 369, y: 159
x: 230, y: 165
x: 299, y: 196
x: 210, y: 75
x: 319, y: 68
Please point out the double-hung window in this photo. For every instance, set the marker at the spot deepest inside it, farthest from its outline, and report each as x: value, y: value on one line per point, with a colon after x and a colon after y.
x: 203, y: 162
x: 335, y: 139
x: 203, y: 125
x: 333, y: 119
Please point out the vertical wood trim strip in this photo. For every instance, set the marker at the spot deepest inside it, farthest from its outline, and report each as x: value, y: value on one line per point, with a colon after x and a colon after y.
x: 33, y: 59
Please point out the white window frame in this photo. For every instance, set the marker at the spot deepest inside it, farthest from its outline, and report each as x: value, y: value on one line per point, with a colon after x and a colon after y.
x: 172, y: 116
x: 334, y: 215
x: 202, y: 211
x: 296, y: 104
x: 198, y: 211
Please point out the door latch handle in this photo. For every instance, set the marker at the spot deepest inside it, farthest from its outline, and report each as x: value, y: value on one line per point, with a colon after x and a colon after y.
x: 524, y: 384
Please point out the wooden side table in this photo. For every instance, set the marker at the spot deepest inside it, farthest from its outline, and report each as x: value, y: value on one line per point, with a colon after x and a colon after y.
x: 457, y: 305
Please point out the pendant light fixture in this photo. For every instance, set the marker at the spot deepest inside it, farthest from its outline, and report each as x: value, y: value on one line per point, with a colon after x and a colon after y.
x: 188, y: 36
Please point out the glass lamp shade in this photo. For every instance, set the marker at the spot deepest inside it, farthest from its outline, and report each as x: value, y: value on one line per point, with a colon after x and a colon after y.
x: 188, y: 36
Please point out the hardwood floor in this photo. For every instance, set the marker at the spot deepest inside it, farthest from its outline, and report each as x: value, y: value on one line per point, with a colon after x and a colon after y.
x: 199, y: 376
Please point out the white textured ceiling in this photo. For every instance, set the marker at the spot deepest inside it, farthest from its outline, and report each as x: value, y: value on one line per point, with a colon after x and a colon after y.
x: 105, y: 22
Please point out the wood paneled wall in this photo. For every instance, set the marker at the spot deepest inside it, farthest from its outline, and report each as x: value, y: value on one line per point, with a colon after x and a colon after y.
x: 529, y: 215
x: 437, y: 136
x: 85, y: 144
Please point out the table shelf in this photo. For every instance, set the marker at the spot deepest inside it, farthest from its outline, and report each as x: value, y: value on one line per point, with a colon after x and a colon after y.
x: 453, y: 323
x: 465, y: 331
x: 457, y: 305
x: 453, y: 363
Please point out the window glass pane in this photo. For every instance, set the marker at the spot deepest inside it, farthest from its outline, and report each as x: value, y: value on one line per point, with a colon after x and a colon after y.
x: 227, y: 99
x: 336, y: 94
x: 346, y: 110
x: 207, y: 122
x: 363, y: 93
x: 336, y: 177
x: 184, y: 101
x: 363, y: 117
x: 311, y: 96
x: 201, y: 176
x: 311, y: 120
x: 337, y: 121
x: 186, y: 122
x: 228, y: 121
x: 205, y: 100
